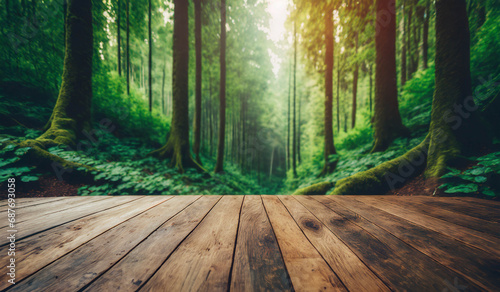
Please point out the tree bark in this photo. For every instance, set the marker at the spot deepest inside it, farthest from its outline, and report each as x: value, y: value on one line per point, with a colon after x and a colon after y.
x: 294, y: 142
x: 387, y: 120
x: 71, y: 117
x: 329, y: 149
x: 150, y: 60
x: 355, y: 85
x: 219, y: 164
x: 118, y: 37
x: 197, y: 115
x: 177, y: 147
x: 403, y: 47
x: 425, y: 37
x: 128, y: 46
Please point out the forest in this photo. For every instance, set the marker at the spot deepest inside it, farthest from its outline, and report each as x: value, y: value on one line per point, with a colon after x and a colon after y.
x: 176, y: 97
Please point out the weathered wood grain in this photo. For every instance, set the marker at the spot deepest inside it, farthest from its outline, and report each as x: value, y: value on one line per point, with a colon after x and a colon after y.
x: 26, y: 202
x: 139, y: 265
x: 25, y: 229
x: 473, y: 264
x: 400, y: 266
x: 307, y: 269
x: 423, y: 205
x: 78, y: 268
x: 36, y: 211
x: 257, y: 264
x: 35, y: 252
x: 474, y: 238
x: 203, y: 261
x: 355, y: 275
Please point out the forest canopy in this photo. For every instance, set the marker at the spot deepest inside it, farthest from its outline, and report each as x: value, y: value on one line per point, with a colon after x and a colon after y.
x: 250, y: 97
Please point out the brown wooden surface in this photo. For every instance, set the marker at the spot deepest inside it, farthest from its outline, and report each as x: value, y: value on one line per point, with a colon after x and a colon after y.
x: 255, y: 243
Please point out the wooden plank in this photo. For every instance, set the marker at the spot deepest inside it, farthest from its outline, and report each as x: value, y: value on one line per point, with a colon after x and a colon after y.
x: 307, y: 269
x: 139, y: 265
x: 423, y: 205
x: 468, y: 208
x: 27, y: 202
x: 471, y: 237
x: 78, y: 268
x: 400, y: 266
x: 37, y: 211
x: 483, y: 202
x: 35, y: 252
x: 25, y: 229
x: 257, y: 264
x: 203, y: 261
x: 355, y: 275
x: 474, y: 264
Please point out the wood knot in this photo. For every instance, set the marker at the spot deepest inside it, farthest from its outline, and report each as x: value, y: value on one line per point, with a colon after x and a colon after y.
x: 312, y: 225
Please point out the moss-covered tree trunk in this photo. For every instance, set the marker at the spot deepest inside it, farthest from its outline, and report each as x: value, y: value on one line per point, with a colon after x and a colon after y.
x: 197, y: 115
x: 386, y: 120
x: 329, y: 149
x: 219, y: 164
x: 177, y: 147
x: 71, y: 114
x: 455, y: 128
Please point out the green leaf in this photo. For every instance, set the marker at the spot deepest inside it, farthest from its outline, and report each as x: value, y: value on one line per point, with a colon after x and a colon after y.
x: 22, y: 151
x: 467, y: 189
x: 489, y: 193
x: 480, y: 179
x: 29, y: 178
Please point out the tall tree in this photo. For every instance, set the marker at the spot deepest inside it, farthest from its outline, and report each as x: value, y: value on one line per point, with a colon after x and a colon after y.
x: 403, y: 46
x: 150, y: 59
x: 355, y: 83
x: 71, y: 116
x: 118, y: 37
x: 425, y: 36
x: 177, y: 148
x: 386, y: 120
x: 197, y: 115
x: 294, y: 141
x: 219, y: 164
x: 329, y: 150
x: 128, y: 46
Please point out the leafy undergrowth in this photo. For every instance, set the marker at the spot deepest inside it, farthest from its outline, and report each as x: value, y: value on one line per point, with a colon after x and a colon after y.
x: 123, y: 168
x: 483, y: 178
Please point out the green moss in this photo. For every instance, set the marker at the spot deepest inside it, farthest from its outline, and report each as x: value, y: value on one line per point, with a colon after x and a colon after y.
x: 316, y: 189
x: 379, y: 179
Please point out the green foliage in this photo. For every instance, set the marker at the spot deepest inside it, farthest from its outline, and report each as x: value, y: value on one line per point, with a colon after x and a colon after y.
x: 123, y: 168
x: 480, y: 179
x: 129, y: 114
x: 11, y: 164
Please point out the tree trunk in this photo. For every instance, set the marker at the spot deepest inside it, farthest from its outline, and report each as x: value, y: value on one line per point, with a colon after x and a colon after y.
x: 387, y: 120
x: 425, y: 37
x: 294, y: 141
x: 219, y: 164
x: 163, y: 86
x: 128, y: 46
x: 177, y: 146
x: 118, y: 38
x: 338, y: 94
x: 288, y: 117
x: 403, y: 47
x: 453, y: 131
x: 150, y: 61
x: 371, y: 87
x: 71, y: 116
x: 197, y: 115
x: 329, y: 149
x: 355, y: 86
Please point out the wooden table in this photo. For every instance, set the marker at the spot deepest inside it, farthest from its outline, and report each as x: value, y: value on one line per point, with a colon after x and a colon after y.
x: 271, y: 243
